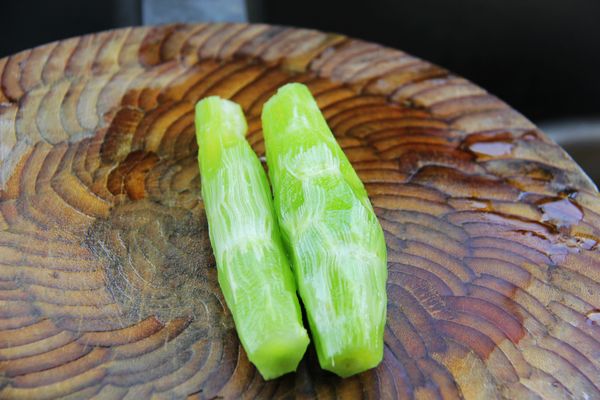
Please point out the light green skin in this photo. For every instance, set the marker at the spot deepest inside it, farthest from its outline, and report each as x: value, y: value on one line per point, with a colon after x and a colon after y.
x: 254, y: 273
x: 335, y: 241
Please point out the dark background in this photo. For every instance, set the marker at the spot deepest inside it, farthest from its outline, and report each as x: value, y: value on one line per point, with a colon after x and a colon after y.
x: 28, y: 23
x: 540, y: 56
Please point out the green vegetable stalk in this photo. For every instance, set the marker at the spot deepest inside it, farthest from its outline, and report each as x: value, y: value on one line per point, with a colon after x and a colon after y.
x: 253, y: 269
x: 335, y: 241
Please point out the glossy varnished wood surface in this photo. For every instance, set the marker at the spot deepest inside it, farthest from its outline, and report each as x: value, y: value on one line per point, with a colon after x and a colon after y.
x: 107, y: 281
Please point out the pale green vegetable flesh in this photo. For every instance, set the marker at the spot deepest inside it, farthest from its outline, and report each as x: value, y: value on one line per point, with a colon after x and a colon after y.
x: 334, y: 239
x: 253, y: 270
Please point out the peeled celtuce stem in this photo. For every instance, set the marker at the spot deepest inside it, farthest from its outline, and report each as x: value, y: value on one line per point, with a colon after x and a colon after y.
x: 336, y: 243
x: 254, y: 273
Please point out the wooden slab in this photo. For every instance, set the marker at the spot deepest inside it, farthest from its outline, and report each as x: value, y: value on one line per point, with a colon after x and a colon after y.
x: 107, y: 281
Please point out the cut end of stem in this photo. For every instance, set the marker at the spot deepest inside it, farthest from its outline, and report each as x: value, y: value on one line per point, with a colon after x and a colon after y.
x: 219, y: 119
x: 280, y: 355
x: 352, y: 362
x: 220, y: 124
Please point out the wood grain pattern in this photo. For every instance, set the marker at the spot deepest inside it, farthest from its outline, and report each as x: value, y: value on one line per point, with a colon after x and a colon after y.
x: 107, y: 281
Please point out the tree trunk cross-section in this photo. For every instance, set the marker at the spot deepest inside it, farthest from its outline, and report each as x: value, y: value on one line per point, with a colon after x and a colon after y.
x: 108, y: 285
